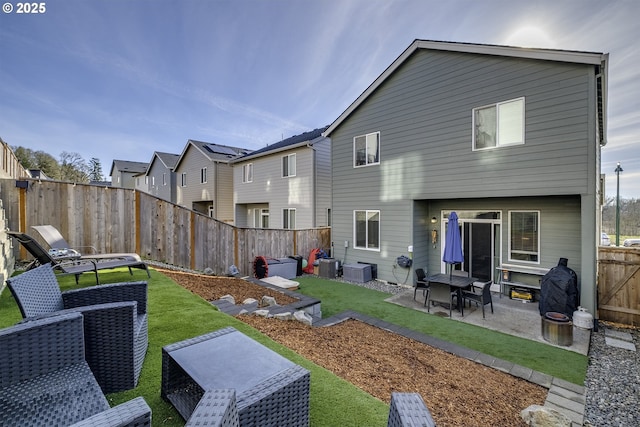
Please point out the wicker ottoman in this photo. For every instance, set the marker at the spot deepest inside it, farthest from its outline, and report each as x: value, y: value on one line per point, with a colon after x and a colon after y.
x: 270, y: 390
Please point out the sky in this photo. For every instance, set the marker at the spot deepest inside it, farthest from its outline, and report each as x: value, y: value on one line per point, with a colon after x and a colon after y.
x: 120, y: 79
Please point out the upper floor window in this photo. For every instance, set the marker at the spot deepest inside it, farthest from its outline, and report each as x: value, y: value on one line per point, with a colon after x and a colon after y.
x: 153, y: 180
x: 524, y: 236
x: 289, y: 166
x: 366, y: 233
x: 247, y: 172
x: 289, y: 219
x: 203, y: 176
x: 164, y: 179
x: 184, y: 179
x: 366, y: 149
x: 499, y: 124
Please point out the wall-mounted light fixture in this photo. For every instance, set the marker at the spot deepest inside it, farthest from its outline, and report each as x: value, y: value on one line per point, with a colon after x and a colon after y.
x: 434, y: 220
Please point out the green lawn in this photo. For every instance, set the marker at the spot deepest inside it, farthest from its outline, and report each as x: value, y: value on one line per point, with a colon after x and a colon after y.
x: 176, y: 314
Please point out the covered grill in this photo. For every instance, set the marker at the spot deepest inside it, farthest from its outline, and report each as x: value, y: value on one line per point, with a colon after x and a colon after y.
x: 559, y: 290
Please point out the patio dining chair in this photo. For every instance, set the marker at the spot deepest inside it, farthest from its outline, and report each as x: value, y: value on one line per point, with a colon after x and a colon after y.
x: 421, y: 282
x: 115, y: 321
x: 482, y: 297
x: 74, y: 265
x: 46, y: 381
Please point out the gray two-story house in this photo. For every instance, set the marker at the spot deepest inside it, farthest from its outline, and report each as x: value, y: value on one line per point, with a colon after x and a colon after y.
x: 161, y: 177
x: 508, y: 138
x: 124, y: 173
x: 205, y: 179
x: 285, y: 185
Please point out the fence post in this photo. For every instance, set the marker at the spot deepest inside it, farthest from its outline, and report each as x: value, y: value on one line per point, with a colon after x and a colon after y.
x: 192, y: 239
x: 137, y: 221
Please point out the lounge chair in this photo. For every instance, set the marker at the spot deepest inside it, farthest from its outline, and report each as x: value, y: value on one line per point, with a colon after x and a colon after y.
x: 115, y: 321
x: 46, y: 381
x: 59, y: 245
x: 73, y: 265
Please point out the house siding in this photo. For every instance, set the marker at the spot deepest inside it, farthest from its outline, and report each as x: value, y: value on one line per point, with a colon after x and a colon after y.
x: 218, y: 189
x: 322, y: 179
x: 423, y: 112
x: 164, y: 192
x: 269, y: 187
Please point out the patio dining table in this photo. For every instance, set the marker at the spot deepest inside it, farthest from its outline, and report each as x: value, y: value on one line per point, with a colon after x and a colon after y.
x: 457, y: 283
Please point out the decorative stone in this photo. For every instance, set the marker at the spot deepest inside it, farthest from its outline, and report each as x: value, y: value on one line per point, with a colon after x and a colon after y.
x: 541, y: 416
x: 229, y: 298
x: 262, y: 313
x: 208, y: 271
x: 249, y: 301
x: 268, y: 301
x: 284, y: 316
x: 303, y: 317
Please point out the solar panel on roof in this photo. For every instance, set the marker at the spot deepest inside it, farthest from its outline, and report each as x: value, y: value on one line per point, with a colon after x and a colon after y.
x: 219, y: 149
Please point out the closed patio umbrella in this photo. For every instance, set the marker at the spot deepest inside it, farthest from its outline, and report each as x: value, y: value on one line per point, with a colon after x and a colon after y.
x: 453, y: 244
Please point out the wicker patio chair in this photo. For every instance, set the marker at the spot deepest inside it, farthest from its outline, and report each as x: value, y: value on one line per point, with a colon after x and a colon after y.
x: 75, y: 265
x: 408, y: 409
x: 46, y: 381
x: 115, y: 321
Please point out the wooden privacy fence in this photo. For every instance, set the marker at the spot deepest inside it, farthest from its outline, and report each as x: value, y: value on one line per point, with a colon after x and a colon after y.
x: 124, y: 220
x: 619, y: 285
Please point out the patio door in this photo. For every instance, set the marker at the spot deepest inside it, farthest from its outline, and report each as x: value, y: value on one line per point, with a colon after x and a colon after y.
x: 480, y: 232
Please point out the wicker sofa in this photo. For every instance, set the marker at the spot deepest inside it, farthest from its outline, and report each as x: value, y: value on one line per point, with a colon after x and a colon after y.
x: 45, y: 380
x: 115, y: 321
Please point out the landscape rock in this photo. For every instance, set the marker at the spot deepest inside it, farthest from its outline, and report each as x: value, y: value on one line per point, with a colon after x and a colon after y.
x: 541, y: 416
x: 268, y: 301
x: 229, y: 298
x: 249, y: 301
x: 262, y: 313
x: 303, y: 317
x: 284, y: 316
x: 208, y: 271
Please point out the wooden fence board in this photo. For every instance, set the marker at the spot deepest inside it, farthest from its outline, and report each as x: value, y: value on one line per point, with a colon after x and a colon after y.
x: 123, y: 220
x: 619, y: 285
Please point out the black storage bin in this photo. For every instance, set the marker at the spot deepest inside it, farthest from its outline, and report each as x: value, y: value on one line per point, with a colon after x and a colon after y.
x: 298, y: 258
x: 374, y: 269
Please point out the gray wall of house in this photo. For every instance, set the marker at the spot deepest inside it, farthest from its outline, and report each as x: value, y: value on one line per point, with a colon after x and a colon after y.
x: 159, y: 187
x: 268, y: 186
x: 218, y: 189
x: 322, y: 181
x: 424, y: 115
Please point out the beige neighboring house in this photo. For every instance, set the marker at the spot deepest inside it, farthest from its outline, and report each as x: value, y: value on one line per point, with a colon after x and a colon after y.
x: 285, y: 185
x: 125, y: 174
x: 204, y: 178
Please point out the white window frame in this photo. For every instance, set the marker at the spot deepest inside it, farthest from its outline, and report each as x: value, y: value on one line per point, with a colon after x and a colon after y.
x: 500, y: 142
x: 367, y: 139
x: 183, y: 179
x: 203, y: 175
x: 289, y: 218
x: 153, y: 181
x: 247, y: 173
x: 367, y: 246
x: 538, y: 233
x: 164, y: 178
x: 289, y: 170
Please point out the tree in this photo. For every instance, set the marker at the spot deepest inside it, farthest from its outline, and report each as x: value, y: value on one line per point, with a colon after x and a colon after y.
x: 95, y: 170
x: 73, y: 167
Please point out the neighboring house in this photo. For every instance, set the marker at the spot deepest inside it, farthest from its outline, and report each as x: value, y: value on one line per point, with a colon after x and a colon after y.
x: 38, y: 174
x: 160, y: 176
x: 205, y: 178
x: 285, y: 185
x: 124, y: 172
x: 508, y: 138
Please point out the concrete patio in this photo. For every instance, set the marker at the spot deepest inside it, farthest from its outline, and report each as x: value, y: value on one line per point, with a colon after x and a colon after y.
x: 509, y: 316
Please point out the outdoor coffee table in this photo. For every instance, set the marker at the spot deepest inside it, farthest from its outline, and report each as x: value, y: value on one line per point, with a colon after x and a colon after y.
x: 270, y: 389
